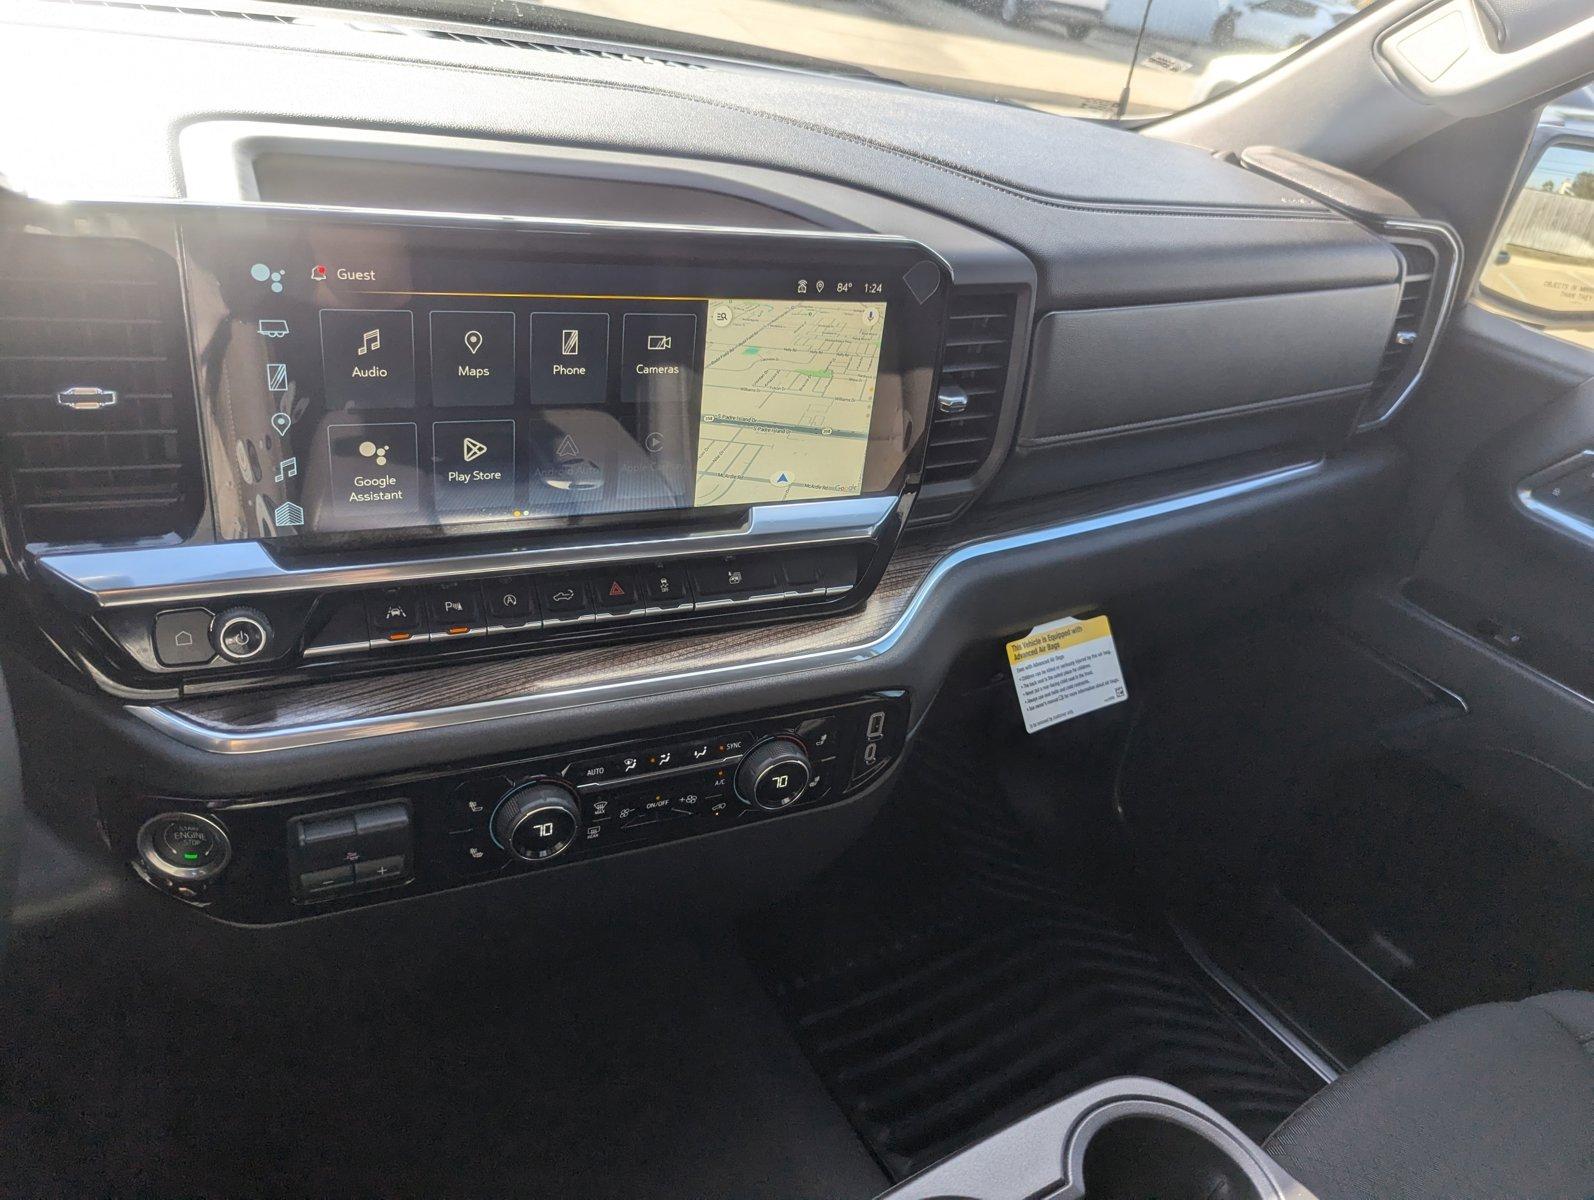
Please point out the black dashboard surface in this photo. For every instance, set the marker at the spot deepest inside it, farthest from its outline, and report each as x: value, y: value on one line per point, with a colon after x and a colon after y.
x: 1108, y: 217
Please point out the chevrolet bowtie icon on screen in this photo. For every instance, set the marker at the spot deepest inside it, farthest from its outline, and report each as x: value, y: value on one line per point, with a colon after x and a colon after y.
x: 473, y: 449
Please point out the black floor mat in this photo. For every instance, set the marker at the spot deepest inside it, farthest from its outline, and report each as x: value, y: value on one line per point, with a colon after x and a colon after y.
x: 663, y: 1073
x: 950, y: 975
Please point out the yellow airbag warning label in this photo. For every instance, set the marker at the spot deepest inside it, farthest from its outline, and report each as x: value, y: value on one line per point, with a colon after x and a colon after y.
x: 1064, y: 669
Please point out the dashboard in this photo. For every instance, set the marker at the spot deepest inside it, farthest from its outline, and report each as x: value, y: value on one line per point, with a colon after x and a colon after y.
x: 484, y: 488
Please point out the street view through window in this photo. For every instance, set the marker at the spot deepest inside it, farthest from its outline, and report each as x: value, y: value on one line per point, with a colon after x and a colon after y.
x: 1088, y: 58
x: 1541, y: 271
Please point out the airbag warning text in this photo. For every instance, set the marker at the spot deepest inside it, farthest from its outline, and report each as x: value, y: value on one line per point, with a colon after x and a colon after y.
x: 1064, y: 669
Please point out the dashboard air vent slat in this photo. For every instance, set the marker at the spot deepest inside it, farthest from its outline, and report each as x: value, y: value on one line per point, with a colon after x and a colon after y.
x: 409, y: 27
x: 97, y: 425
x: 979, y: 343
x: 1416, y: 291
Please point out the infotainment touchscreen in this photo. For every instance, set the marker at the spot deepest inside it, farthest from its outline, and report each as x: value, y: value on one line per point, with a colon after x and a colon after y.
x: 366, y: 374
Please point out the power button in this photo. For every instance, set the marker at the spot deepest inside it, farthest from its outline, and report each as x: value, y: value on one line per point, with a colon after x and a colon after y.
x: 184, y: 848
x: 242, y: 634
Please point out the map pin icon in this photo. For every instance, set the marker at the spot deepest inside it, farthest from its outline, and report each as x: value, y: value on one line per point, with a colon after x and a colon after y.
x: 473, y: 341
x: 280, y: 422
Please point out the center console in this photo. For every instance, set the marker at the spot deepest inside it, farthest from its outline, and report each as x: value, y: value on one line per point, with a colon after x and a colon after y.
x: 251, y: 451
x: 1126, y: 1139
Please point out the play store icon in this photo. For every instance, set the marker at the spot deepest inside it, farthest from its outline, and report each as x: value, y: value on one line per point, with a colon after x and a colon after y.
x: 473, y: 449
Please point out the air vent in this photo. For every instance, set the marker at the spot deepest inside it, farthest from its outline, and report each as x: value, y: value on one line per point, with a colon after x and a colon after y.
x: 580, y: 51
x: 97, y: 421
x: 366, y: 24
x: 1428, y: 266
x: 979, y: 344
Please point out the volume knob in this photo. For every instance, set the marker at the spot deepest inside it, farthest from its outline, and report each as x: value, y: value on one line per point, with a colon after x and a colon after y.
x: 537, y: 821
x: 774, y: 774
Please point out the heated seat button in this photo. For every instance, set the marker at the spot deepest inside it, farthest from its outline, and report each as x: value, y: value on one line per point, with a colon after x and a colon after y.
x: 182, y: 638
x: 474, y: 800
x: 474, y: 853
x: 820, y: 735
x: 823, y: 779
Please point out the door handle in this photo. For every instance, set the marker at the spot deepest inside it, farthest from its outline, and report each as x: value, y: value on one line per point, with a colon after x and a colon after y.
x: 1562, y: 496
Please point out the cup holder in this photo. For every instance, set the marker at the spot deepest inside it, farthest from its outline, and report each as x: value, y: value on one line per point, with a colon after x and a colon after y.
x: 1145, y: 1157
x: 1123, y: 1139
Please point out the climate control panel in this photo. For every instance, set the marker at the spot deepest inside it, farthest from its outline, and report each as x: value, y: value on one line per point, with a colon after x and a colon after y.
x: 268, y: 859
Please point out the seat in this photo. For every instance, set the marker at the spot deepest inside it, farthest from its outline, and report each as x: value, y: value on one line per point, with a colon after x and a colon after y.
x: 1489, y: 1103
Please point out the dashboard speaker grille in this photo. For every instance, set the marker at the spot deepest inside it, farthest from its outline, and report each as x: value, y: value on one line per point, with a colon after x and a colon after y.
x: 98, y: 431
x: 979, y: 346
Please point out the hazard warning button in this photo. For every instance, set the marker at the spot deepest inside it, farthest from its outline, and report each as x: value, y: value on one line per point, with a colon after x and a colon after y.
x: 617, y: 590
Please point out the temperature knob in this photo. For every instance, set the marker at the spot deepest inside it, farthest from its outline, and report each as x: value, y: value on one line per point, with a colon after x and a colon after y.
x: 537, y: 821
x: 774, y: 774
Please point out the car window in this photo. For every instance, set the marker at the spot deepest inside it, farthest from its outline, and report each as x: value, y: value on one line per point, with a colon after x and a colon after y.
x: 1110, y: 59
x: 1540, y: 270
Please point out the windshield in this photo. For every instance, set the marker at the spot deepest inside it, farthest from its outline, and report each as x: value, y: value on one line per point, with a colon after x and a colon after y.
x: 1091, y: 58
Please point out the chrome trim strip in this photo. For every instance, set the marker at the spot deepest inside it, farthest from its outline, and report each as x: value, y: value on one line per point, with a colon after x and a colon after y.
x: 218, y: 741
x: 1563, y: 522
x: 1313, y: 1061
x: 1442, y: 232
x: 178, y: 205
x: 229, y: 570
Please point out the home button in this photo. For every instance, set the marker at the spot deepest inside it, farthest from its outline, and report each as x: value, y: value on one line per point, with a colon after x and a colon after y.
x: 182, y: 637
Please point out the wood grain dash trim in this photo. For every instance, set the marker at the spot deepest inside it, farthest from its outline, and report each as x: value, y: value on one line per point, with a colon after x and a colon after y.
x: 561, y: 670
